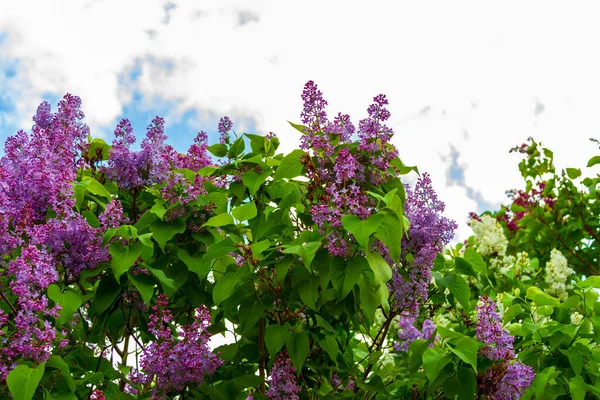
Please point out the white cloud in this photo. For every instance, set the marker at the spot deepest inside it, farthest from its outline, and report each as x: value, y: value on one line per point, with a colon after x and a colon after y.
x: 479, y: 69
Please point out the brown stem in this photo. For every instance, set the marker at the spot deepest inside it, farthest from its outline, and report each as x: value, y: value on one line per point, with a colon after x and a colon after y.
x: 263, y: 354
x: 8, y: 302
x: 379, y: 343
x: 134, y: 193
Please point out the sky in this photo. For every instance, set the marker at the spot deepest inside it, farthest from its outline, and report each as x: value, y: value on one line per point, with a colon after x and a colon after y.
x: 466, y: 81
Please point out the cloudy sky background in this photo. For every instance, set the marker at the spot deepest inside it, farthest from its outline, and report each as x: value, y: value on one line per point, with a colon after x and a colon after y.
x: 466, y: 81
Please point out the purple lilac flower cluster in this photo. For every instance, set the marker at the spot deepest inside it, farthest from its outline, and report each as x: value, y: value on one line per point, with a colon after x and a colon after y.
x: 505, y: 381
x: 36, y: 215
x: 176, y: 362
x: 224, y: 127
x: 498, y: 342
x: 336, y: 382
x: 428, y: 233
x: 341, y: 178
x: 132, y: 169
x: 112, y: 216
x: 375, y: 139
x: 283, y: 385
x: 34, y: 334
x: 408, y: 333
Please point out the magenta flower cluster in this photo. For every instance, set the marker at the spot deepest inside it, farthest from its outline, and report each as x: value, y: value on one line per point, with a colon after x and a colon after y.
x: 341, y: 178
x: 507, y: 379
x: 428, y: 233
x: 176, y: 363
x: 408, y: 333
x: 498, y: 342
x: 132, y: 169
x: 37, y: 218
x: 283, y: 385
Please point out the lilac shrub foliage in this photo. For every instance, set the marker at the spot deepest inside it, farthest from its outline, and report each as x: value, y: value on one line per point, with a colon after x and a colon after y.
x: 331, y: 283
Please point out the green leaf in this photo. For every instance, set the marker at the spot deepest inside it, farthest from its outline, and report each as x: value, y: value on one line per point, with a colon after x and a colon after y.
x: 275, y: 338
x: 162, y: 278
x: 194, y: 263
x: 165, y: 231
x: 99, y: 148
x: 237, y: 148
x: 476, y: 261
x: 573, y: 173
x: 578, y: 388
x: 23, y: 381
x: 458, y: 287
x: 390, y: 233
x: 512, y: 312
x: 541, y: 380
x: 540, y: 298
x: 159, y: 209
x: 58, y: 363
x: 218, y: 150
x: 219, y: 249
x: 466, y: 349
x: 145, y: 285
x: 89, y: 184
x: 252, y: 180
x: 298, y: 127
x: 297, y: 345
x: 369, y: 297
x: 259, y: 247
x: 245, y: 211
x: 381, y: 269
x: 344, y: 276
x: 123, y: 257
x: 68, y: 300
x: 290, y: 166
x: 305, y: 250
x: 434, y: 360
x: 220, y: 220
x: 309, y: 293
x: 415, y: 354
x: 462, y: 385
x: 107, y: 292
x: 224, y: 286
x: 575, y: 359
x: 330, y: 345
x: 362, y: 229
x: 464, y: 267
x: 593, y: 161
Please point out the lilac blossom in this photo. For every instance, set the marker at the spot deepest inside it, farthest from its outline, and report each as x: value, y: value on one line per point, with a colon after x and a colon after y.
x: 429, y: 231
x: 283, y: 385
x: 32, y: 272
x: 197, y: 156
x: 73, y: 243
x: 498, y: 342
x: 505, y: 381
x: 35, y: 182
x: 112, y: 216
x: 176, y: 362
x: 408, y: 333
x: 132, y: 169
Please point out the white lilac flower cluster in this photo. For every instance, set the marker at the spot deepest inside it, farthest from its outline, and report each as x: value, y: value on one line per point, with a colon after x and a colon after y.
x: 489, y: 237
x: 557, y: 273
x: 510, y: 263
